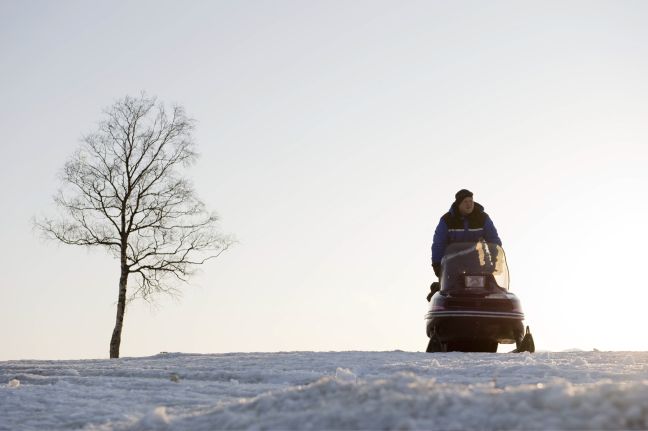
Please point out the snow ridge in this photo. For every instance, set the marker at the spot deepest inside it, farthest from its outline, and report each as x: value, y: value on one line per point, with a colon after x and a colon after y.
x: 333, y: 390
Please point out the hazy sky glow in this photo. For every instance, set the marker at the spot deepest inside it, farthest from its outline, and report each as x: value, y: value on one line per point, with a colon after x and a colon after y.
x: 332, y: 137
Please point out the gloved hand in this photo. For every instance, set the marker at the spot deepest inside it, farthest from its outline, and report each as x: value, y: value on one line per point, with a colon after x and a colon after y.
x: 434, y: 288
x: 437, y: 269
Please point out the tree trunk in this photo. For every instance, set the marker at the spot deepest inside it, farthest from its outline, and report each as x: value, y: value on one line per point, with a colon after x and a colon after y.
x: 115, y: 341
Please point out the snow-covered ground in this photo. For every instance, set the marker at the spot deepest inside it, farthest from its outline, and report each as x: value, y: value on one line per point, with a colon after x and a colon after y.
x: 336, y: 390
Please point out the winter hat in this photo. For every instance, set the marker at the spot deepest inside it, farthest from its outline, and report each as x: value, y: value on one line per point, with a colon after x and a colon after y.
x: 461, y: 195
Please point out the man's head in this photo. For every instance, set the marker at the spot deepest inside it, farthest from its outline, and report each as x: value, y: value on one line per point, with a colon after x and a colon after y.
x: 464, y: 201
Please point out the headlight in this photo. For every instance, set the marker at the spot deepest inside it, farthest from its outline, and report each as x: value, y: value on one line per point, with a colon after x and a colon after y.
x: 475, y: 281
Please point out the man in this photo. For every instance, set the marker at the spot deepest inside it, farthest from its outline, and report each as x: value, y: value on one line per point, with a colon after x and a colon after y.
x: 465, y: 222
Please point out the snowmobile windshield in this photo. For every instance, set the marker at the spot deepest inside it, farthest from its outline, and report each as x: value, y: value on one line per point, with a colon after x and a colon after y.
x: 474, y: 265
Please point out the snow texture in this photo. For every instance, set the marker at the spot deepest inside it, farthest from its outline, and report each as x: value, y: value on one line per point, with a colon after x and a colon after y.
x: 336, y: 390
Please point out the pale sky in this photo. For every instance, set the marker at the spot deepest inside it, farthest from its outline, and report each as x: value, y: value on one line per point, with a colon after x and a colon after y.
x: 333, y: 136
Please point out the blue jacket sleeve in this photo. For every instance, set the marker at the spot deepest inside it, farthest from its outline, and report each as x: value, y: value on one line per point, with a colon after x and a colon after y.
x: 440, y: 241
x: 490, y: 232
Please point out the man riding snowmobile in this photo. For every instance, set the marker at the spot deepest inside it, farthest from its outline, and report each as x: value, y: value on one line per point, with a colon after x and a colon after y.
x: 471, y: 308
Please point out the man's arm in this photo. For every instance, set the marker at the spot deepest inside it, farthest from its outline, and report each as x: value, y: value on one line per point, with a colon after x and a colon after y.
x: 490, y: 232
x: 439, y: 243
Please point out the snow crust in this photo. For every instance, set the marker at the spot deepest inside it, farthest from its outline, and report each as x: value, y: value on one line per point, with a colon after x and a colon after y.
x: 334, y: 390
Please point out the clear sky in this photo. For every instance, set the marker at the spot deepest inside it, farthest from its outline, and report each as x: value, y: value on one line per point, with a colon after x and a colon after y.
x: 333, y: 135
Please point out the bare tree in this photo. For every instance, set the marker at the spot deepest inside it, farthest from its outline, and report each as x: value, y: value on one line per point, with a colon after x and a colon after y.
x: 123, y: 190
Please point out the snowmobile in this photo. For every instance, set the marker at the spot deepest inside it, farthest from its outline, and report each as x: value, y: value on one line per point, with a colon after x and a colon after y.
x: 471, y: 308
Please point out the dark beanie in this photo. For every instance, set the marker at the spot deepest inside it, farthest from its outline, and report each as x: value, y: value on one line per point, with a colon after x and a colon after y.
x: 461, y: 195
